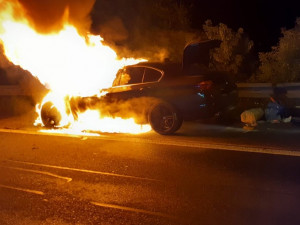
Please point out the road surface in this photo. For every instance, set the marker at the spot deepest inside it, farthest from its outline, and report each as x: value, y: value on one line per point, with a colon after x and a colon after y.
x: 205, y: 174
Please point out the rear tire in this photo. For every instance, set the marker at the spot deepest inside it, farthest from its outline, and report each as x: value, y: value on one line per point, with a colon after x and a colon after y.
x: 164, y: 118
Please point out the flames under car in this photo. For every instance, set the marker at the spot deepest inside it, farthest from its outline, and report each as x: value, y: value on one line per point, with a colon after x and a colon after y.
x: 157, y: 93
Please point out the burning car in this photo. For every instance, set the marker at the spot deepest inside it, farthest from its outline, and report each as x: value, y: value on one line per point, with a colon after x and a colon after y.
x: 162, y: 94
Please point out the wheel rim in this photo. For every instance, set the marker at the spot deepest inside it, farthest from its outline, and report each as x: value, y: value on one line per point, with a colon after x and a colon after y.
x: 163, y: 118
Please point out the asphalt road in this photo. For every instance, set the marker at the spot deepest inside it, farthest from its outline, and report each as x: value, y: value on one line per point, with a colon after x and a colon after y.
x: 205, y: 174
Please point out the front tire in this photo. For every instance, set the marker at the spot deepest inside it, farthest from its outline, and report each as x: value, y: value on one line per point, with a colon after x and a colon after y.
x: 50, y: 115
x: 164, y: 118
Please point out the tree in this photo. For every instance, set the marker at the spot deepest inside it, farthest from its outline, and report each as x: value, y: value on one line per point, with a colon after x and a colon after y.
x: 282, y: 64
x: 234, y: 51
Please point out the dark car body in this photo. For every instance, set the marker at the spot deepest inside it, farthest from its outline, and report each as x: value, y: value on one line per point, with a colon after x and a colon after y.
x: 194, y: 97
x: 163, y: 94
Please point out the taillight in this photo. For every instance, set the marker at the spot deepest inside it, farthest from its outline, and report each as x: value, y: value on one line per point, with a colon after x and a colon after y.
x: 204, y: 85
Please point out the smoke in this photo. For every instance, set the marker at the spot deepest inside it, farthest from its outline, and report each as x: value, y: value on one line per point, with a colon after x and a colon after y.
x: 154, y: 30
x: 49, y: 15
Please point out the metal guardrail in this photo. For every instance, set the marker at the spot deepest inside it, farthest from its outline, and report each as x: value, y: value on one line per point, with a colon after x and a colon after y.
x: 293, y: 89
x: 245, y: 90
x: 265, y: 90
x: 254, y: 90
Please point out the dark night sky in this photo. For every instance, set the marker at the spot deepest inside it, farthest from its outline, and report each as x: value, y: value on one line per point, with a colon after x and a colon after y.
x: 262, y: 20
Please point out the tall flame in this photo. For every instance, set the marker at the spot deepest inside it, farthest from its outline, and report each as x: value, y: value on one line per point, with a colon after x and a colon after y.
x: 65, y: 61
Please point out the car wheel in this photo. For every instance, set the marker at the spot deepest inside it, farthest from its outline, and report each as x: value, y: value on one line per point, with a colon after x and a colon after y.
x: 50, y: 115
x: 164, y: 118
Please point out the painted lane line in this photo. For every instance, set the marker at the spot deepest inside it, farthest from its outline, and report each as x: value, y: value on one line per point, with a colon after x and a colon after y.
x: 214, y: 146
x: 232, y: 147
x: 133, y: 210
x: 86, y: 171
x: 22, y: 189
x: 14, y: 131
x: 68, y: 179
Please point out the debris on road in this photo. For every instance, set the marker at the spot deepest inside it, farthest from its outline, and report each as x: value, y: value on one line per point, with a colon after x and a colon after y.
x: 251, y: 116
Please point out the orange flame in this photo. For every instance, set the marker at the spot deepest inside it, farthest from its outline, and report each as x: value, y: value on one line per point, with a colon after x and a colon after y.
x: 66, y: 62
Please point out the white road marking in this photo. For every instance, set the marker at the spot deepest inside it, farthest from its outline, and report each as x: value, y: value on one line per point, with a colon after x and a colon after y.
x: 68, y: 179
x: 232, y: 147
x: 22, y: 189
x: 174, y: 142
x: 133, y: 210
x: 85, y: 171
x: 40, y: 133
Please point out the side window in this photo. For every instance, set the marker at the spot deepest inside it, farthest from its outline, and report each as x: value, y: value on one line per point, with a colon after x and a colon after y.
x: 151, y: 75
x: 135, y: 74
x: 129, y: 75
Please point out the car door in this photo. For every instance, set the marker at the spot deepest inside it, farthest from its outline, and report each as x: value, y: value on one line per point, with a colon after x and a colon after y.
x: 224, y: 90
x: 151, y: 78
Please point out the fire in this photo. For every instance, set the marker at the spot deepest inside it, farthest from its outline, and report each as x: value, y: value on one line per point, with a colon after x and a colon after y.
x: 68, y: 63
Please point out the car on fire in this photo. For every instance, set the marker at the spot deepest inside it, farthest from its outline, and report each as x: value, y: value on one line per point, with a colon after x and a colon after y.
x: 162, y: 94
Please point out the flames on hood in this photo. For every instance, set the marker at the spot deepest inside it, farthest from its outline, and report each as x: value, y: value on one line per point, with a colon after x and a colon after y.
x: 64, y: 57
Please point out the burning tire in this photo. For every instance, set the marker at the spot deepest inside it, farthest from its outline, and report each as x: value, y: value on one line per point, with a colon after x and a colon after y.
x: 164, y: 118
x: 50, y: 115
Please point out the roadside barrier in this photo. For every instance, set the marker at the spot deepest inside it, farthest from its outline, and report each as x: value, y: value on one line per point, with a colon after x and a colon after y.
x: 265, y: 90
x: 245, y: 90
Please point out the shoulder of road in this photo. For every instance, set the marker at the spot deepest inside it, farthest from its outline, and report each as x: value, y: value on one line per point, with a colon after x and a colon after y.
x: 269, y: 138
